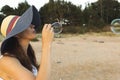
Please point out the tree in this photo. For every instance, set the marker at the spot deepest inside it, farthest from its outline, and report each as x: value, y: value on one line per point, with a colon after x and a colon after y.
x: 1, y: 18
x: 101, y: 12
x: 61, y: 11
x: 7, y: 10
x: 22, y: 7
x: 111, y: 10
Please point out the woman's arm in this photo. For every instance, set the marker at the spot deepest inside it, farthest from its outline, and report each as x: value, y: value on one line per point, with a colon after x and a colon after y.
x: 47, y: 38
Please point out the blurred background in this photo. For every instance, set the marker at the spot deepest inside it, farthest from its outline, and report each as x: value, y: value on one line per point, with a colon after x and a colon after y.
x: 86, y: 49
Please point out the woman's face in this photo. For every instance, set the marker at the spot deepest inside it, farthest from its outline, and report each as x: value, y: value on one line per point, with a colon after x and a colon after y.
x: 29, y: 33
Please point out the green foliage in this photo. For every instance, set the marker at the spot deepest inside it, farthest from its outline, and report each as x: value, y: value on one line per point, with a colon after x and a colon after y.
x: 22, y: 7
x: 75, y: 20
x: 60, y: 11
x: 1, y: 18
x: 111, y: 10
x: 7, y: 10
x: 101, y: 13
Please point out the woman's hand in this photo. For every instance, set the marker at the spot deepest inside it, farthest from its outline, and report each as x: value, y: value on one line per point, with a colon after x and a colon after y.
x: 47, y: 35
x: 45, y: 62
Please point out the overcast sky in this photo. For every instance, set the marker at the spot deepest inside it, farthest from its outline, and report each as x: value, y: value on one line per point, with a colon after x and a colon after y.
x: 40, y: 3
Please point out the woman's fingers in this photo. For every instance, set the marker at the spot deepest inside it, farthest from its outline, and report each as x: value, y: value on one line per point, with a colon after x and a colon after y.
x: 47, y: 34
x: 51, y: 29
x: 47, y: 27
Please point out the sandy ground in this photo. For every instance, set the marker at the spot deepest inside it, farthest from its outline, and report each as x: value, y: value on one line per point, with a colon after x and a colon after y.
x: 84, y: 57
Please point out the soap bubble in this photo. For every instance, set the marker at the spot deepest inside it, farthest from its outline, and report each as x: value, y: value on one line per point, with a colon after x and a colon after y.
x: 115, y: 26
x: 57, y: 27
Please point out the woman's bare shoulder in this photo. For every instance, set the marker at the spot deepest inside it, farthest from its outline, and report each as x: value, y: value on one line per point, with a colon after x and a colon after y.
x: 7, y: 61
x: 11, y: 65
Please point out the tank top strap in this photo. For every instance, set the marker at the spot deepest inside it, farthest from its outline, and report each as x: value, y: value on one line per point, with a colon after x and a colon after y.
x: 1, y: 56
x: 34, y: 70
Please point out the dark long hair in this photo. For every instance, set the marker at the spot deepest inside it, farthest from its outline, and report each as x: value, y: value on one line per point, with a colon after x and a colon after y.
x: 14, y: 49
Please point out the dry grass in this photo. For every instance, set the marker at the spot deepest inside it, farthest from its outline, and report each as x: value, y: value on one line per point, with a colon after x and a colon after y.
x: 84, y: 57
x: 92, y: 56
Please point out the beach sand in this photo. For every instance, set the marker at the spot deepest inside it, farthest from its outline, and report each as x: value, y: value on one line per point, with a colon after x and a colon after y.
x: 83, y: 57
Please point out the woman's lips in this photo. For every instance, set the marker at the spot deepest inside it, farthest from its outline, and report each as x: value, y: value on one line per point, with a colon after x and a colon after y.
x: 34, y: 31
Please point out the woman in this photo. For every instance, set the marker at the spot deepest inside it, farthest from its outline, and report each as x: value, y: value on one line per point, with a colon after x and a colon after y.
x: 17, y: 60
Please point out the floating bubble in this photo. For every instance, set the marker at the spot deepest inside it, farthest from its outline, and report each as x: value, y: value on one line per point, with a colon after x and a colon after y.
x: 57, y: 27
x: 115, y: 26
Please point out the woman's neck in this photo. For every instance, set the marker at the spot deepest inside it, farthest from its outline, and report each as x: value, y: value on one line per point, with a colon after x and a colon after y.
x: 24, y: 44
